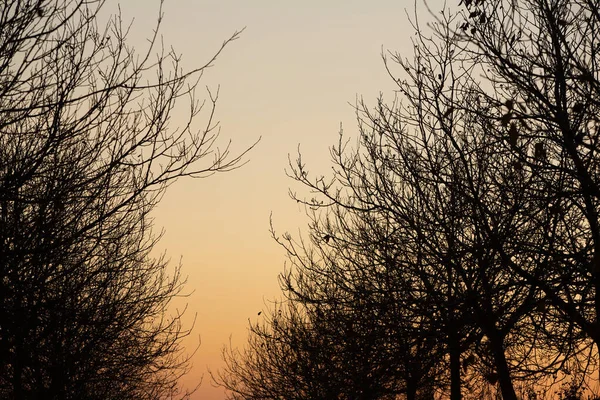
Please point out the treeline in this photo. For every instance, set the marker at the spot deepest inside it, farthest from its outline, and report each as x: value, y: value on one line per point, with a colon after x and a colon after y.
x: 454, y: 250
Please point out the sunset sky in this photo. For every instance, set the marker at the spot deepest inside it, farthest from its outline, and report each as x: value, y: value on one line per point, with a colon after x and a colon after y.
x: 291, y: 78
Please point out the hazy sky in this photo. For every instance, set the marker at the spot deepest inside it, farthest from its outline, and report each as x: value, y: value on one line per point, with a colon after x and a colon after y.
x: 291, y: 78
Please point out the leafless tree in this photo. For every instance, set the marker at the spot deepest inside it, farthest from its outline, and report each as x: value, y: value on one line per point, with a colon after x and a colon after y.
x: 318, y: 351
x: 470, y: 202
x: 542, y: 58
x: 87, y: 148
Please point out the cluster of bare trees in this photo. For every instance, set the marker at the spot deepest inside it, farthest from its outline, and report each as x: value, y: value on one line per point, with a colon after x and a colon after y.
x: 455, y: 249
x: 87, y: 149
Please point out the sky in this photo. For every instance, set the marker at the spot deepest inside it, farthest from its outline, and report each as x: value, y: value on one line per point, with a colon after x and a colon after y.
x: 290, y: 79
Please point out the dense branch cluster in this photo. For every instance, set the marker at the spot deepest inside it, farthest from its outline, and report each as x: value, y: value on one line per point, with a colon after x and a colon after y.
x: 87, y: 149
x: 455, y: 250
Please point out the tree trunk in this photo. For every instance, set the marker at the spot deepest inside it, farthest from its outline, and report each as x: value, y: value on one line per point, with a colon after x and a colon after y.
x: 17, y: 378
x: 454, y: 351
x: 497, y: 346
x: 411, y: 389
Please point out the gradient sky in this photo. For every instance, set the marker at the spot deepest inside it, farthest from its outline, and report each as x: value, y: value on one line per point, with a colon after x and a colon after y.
x: 291, y: 78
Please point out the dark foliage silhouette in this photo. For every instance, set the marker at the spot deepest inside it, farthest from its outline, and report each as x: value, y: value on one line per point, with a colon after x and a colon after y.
x: 87, y: 149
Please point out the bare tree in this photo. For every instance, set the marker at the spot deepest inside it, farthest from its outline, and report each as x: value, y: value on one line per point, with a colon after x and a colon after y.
x: 469, y: 204
x: 87, y: 149
x: 542, y: 58
x: 317, y: 351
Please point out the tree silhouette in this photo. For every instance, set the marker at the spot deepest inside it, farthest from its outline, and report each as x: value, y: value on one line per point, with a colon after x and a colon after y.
x: 548, y: 99
x: 87, y: 149
x: 469, y: 207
